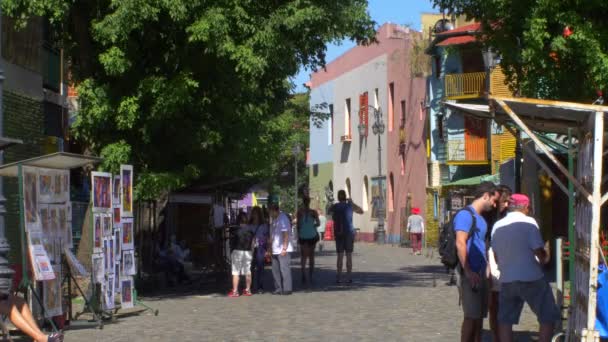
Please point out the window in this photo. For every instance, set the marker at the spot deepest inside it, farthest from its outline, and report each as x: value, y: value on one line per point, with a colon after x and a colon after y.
x: 435, y: 205
x: 347, y: 117
x: 437, y: 66
x: 391, y: 106
x: 330, y: 138
x: 391, y: 193
x: 376, y: 98
x: 365, y: 200
x: 53, y: 119
x: 348, y: 188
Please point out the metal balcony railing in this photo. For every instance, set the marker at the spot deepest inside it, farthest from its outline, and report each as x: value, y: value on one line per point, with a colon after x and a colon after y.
x: 465, y: 86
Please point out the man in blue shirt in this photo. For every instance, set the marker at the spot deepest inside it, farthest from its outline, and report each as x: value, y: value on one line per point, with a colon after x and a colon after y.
x: 342, y: 215
x: 471, y: 229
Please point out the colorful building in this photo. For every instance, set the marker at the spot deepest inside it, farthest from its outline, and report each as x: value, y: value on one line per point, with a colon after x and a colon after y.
x: 384, y: 173
x: 463, y: 149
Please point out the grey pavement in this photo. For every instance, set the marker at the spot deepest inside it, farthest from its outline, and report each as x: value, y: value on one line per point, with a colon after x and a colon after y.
x: 395, y: 296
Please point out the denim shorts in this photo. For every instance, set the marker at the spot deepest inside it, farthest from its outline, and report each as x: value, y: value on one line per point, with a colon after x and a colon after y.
x: 537, y: 294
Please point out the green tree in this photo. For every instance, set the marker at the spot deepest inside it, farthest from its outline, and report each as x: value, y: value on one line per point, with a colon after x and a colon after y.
x: 540, y: 56
x: 186, y: 89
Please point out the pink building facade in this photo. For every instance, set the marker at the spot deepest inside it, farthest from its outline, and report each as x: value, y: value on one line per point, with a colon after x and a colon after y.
x: 343, y: 156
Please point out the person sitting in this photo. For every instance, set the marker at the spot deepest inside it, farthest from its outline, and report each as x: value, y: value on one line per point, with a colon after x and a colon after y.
x: 17, y: 310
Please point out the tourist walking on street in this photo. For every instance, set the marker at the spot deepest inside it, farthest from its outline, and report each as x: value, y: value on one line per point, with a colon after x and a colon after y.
x: 281, y: 247
x: 261, y: 234
x: 470, y: 228
x: 307, y: 223
x: 520, y: 251
x: 344, y: 232
x: 501, y: 210
x: 415, y: 227
x: 241, y: 242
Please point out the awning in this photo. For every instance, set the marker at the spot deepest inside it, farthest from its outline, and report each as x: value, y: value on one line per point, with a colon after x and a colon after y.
x: 475, y: 180
x: 457, y: 41
x: 59, y: 160
x: 540, y: 115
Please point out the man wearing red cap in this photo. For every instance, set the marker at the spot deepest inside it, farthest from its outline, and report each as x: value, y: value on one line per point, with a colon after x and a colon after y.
x: 415, y: 226
x: 519, y: 251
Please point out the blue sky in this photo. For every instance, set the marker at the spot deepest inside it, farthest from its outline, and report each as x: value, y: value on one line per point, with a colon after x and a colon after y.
x: 394, y: 11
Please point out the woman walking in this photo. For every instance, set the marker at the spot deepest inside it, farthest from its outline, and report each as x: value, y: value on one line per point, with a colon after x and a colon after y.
x: 415, y: 226
x: 260, y: 243
x: 308, y: 221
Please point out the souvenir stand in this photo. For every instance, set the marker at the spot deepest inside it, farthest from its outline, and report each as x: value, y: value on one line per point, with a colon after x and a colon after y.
x: 113, y: 258
x: 584, y: 123
x: 45, y: 225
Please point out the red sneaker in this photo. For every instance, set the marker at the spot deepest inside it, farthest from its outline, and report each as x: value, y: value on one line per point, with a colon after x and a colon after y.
x: 247, y: 293
x: 233, y: 294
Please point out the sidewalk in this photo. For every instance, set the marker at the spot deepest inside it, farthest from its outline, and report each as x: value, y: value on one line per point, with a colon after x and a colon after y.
x: 394, y: 297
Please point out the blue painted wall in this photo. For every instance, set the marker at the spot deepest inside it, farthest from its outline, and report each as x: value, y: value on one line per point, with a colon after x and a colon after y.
x: 320, y: 138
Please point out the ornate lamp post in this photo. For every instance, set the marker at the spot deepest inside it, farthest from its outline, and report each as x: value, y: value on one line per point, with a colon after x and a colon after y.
x: 378, y: 130
x: 296, y: 153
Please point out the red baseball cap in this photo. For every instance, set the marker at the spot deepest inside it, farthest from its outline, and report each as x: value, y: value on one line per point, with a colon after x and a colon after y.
x: 519, y: 200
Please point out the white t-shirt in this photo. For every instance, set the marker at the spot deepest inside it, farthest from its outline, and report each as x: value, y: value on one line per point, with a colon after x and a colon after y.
x: 280, y: 225
x: 514, y: 239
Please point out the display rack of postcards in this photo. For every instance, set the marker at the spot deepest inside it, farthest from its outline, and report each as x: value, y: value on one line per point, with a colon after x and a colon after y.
x: 113, y: 258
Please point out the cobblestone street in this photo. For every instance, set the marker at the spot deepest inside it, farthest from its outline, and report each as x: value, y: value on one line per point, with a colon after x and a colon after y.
x: 394, y: 297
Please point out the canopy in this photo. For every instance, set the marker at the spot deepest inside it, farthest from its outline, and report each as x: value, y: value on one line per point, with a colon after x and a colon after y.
x: 59, y: 160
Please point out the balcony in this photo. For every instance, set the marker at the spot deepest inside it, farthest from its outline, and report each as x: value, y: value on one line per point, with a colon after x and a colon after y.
x: 470, y: 85
x: 473, y: 85
x: 463, y: 151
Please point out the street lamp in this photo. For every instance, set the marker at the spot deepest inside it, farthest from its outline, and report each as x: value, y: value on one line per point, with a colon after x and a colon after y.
x: 378, y: 130
x: 296, y: 153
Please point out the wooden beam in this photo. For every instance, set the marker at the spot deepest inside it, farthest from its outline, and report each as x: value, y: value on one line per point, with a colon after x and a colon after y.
x: 544, y: 148
x: 596, y: 207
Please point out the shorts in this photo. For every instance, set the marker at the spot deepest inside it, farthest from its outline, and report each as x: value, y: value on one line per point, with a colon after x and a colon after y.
x: 537, y: 294
x: 309, y: 242
x: 345, y: 243
x: 474, y: 301
x: 241, y: 262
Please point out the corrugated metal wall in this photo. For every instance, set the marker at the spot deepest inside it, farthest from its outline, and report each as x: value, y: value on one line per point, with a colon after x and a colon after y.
x: 503, y: 149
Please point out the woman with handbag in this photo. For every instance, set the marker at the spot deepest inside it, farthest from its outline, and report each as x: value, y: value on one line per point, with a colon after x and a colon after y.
x: 260, y: 247
x: 308, y: 221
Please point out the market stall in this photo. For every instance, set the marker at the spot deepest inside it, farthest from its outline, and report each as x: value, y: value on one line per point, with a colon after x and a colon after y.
x: 584, y: 124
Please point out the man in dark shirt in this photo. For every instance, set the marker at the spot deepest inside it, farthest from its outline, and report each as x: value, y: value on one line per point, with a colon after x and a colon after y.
x: 342, y: 214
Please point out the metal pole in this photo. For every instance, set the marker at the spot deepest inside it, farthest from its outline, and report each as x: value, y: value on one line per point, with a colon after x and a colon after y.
x: 559, y: 273
x: 6, y: 273
x: 295, y: 189
x: 571, y: 232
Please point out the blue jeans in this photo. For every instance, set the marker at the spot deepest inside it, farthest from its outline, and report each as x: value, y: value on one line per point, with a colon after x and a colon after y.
x: 258, y: 264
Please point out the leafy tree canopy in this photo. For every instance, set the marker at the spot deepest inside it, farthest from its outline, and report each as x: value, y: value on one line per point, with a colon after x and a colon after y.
x: 550, y: 49
x: 186, y: 89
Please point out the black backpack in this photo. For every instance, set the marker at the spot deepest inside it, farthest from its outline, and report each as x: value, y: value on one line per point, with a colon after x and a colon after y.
x: 447, y: 240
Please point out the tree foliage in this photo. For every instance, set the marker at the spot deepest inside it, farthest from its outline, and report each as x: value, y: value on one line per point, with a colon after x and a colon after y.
x: 541, y: 57
x: 186, y: 89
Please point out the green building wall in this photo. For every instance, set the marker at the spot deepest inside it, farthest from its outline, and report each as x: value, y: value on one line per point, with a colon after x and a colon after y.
x: 23, y: 119
x: 319, y: 177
